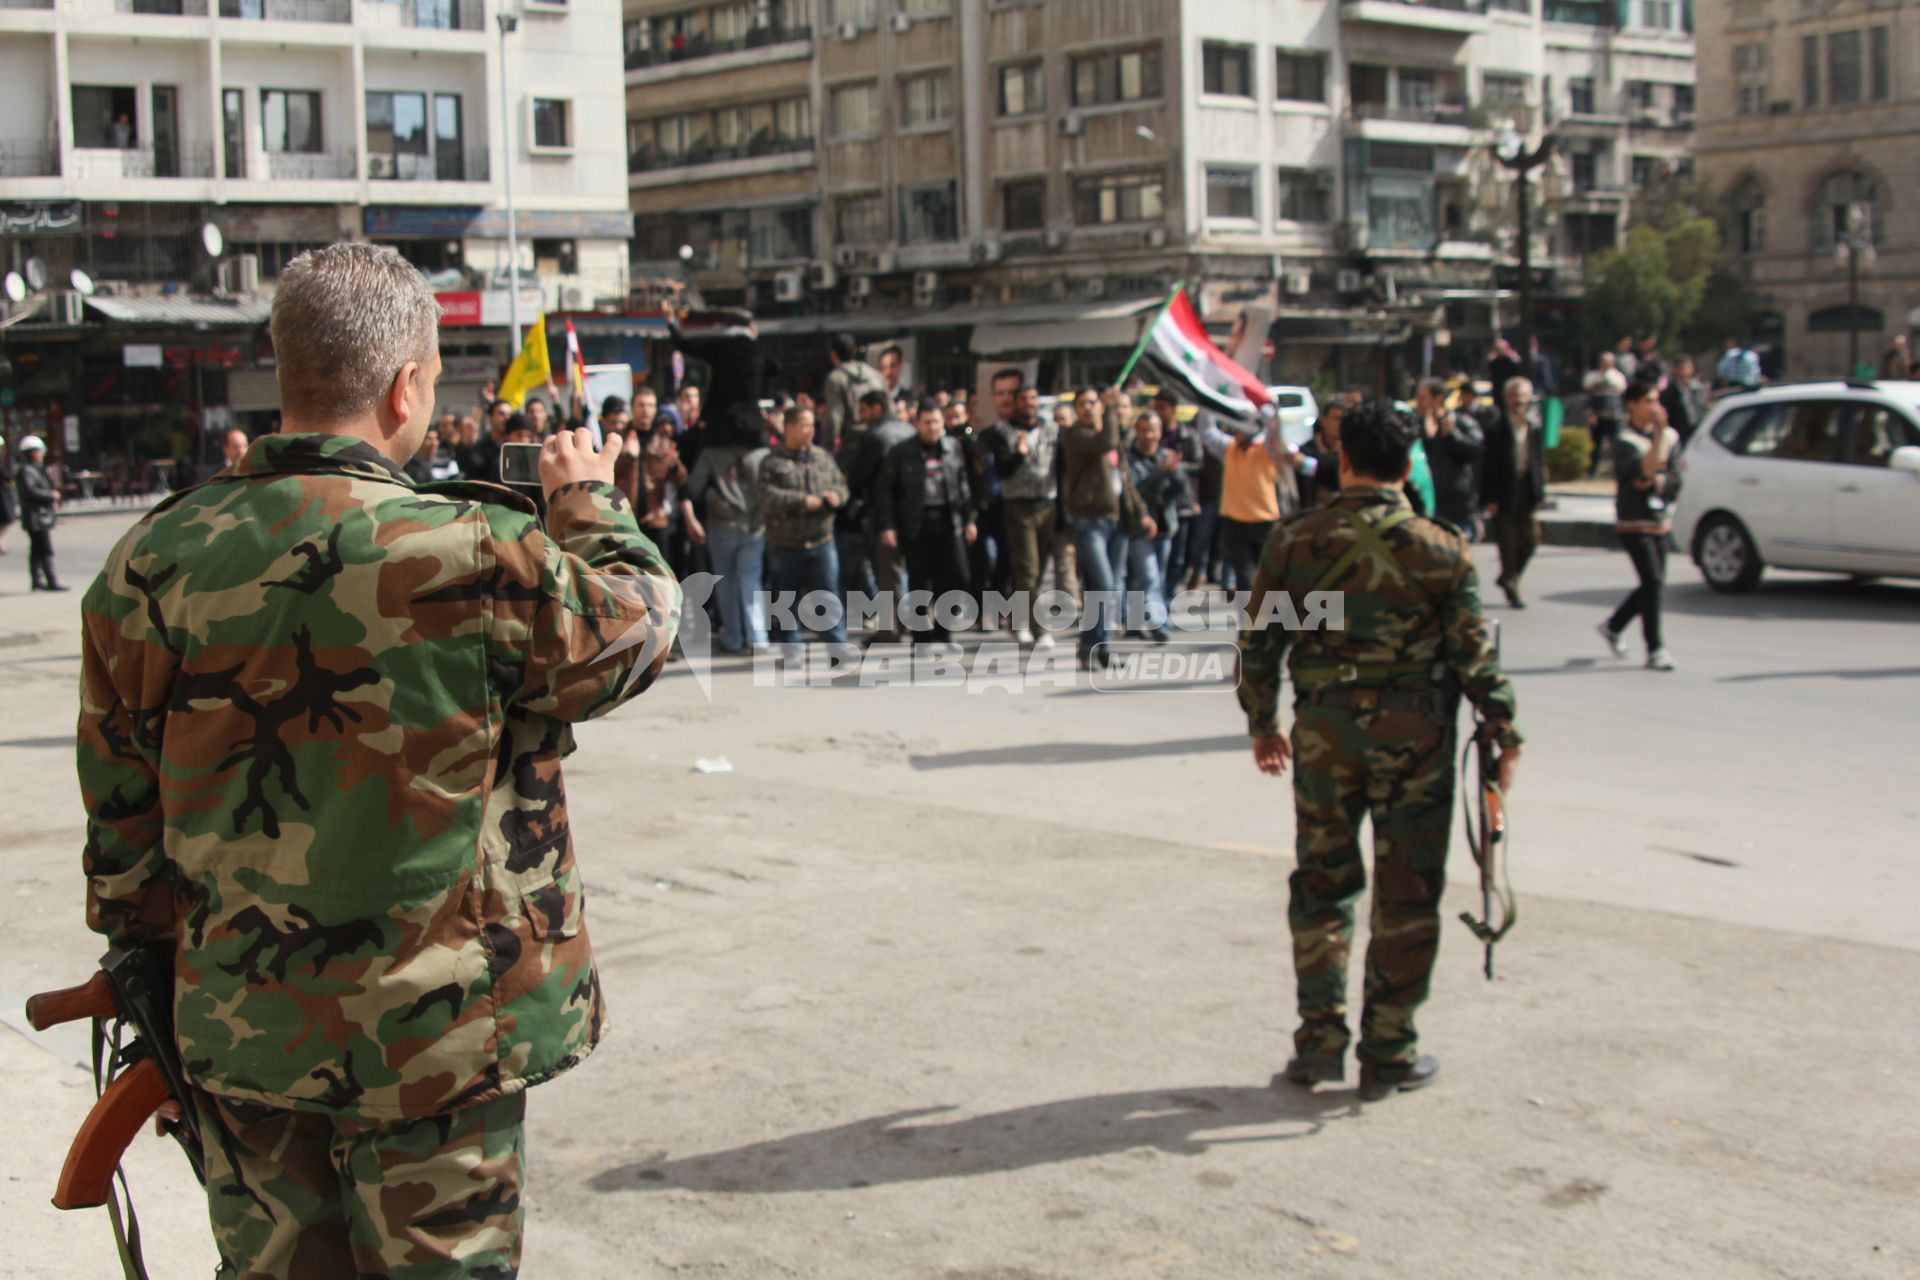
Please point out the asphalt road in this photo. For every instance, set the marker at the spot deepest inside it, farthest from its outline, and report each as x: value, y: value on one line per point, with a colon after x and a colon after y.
x: 955, y: 984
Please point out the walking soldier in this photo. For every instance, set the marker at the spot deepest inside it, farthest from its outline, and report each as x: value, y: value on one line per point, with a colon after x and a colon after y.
x: 1373, y: 734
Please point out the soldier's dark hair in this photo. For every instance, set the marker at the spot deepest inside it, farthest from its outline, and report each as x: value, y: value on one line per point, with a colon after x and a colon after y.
x: 844, y: 346
x: 874, y: 397
x: 1638, y: 389
x: 1377, y: 440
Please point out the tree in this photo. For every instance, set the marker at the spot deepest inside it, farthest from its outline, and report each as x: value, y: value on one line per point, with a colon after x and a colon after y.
x: 1655, y: 283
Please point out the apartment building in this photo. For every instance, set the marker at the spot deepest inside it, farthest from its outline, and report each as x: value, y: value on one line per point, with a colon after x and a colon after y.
x: 128, y: 125
x: 1808, y: 132
x: 964, y: 169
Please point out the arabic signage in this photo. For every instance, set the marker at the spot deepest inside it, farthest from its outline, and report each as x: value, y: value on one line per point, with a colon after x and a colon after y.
x: 40, y: 217
x: 467, y: 308
x: 427, y: 222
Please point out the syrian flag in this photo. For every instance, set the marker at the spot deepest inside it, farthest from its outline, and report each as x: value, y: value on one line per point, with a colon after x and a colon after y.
x: 576, y: 365
x: 1177, y: 347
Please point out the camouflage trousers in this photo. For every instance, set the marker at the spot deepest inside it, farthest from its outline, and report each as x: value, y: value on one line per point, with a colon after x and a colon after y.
x: 301, y: 1195
x: 1354, y: 758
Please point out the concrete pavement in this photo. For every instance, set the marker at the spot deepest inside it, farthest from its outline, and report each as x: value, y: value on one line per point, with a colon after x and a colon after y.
x: 940, y: 984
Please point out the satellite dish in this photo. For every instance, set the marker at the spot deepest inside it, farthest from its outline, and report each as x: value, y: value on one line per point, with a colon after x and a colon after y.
x: 82, y: 283
x: 211, y: 240
x: 36, y: 274
x: 16, y: 287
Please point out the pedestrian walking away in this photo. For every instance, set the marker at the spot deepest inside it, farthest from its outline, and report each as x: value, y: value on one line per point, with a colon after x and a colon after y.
x: 1647, y: 462
x: 38, y: 500
x: 402, y: 832
x: 1375, y: 705
x: 1604, y: 387
x: 1024, y: 452
x: 1513, y: 484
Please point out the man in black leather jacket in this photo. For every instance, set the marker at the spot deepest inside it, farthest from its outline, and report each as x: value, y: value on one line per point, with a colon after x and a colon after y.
x: 923, y: 506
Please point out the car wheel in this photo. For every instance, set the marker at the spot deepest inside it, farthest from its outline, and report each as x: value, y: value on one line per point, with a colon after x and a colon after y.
x: 1726, y: 555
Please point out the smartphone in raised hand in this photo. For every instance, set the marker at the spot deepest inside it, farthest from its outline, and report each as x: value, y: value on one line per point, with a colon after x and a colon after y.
x: 520, y: 465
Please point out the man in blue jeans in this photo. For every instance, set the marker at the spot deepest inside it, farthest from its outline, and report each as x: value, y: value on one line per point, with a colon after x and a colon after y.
x: 800, y: 488
x: 1104, y: 509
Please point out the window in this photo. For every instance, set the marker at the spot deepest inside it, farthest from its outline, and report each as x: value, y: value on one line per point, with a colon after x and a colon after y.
x: 860, y: 220
x: 926, y: 8
x: 1810, y: 70
x: 1640, y: 95
x: 551, y: 257
x: 1657, y: 14
x: 1749, y: 207
x: 1116, y: 77
x: 1580, y: 100
x: 1805, y: 432
x: 1306, y: 195
x: 1230, y: 193
x: 449, y: 152
x: 1833, y: 203
x: 289, y: 120
x: 1584, y: 170
x: 780, y: 235
x: 1845, y: 81
x: 552, y: 124
x: 104, y: 116
x: 1023, y: 89
x: 1879, y: 80
x: 1682, y: 102
x: 854, y: 13
x: 1226, y: 69
x: 1023, y: 205
x: 1648, y: 169
x: 926, y: 100
x: 1121, y: 197
x: 233, y: 131
x: 1400, y: 155
x: 1749, y: 59
x: 854, y: 109
x: 1498, y: 89
x: 1300, y: 77
x: 397, y: 144
x: 929, y: 214
x: 1876, y: 431
x: 1750, y: 100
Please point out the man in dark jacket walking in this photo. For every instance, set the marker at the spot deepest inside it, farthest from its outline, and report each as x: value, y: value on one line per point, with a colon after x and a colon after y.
x: 1513, y: 484
x: 38, y: 498
x: 924, y: 509
x: 1454, y: 444
x: 799, y: 488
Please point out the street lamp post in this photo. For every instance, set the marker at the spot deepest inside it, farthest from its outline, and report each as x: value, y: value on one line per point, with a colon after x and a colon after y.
x: 508, y: 23
x: 1511, y: 151
x: 1853, y: 246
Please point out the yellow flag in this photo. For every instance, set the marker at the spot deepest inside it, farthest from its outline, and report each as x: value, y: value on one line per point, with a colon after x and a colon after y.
x: 531, y: 370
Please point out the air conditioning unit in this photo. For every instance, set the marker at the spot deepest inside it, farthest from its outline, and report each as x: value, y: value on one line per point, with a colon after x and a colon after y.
x: 823, y: 275
x: 926, y: 287
x: 883, y: 261
x: 1071, y: 125
x: 788, y: 286
x: 1298, y: 282
x: 1157, y: 238
x: 69, y: 308
x: 860, y: 288
x: 1095, y: 288
x: 1348, y: 280
x: 246, y: 272
x: 849, y: 31
x: 902, y: 23
x: 846, y: 257
x: 986, y: 251
x: 1056, y: 237
x: 573, y: 297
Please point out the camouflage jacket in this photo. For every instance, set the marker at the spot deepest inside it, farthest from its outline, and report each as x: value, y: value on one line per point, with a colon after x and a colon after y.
x: 322, y: 717
x: 1423, y: 614
x: 784, y: 483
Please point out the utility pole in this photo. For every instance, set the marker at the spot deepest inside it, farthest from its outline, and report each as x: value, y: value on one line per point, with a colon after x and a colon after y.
x: 508, y: 24
x: 1511, y: 151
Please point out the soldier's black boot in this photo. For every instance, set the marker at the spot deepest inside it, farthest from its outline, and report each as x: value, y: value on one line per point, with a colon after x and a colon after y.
x: 1379, y: 1081
x: 1308, y: 1072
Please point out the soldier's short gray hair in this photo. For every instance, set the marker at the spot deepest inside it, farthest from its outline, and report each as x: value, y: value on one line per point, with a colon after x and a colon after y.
x: 345, y: 319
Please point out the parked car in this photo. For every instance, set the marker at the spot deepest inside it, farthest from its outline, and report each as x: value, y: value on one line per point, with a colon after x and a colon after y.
x: 1298, y: 413
x: 1808, y: 475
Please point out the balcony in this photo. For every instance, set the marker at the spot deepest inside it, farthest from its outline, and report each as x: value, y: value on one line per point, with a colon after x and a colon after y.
x: 293, y: 166
x: 23, y: 159
x: 698, y: 47
x: 1440, y: 123
x: 472, y: 165
x: 653, y: 161
x: 1447, y: 17
x: 142, y: 162
x: 333, y: 11
x: 26, y: 4
x: 158, y: 8
x: 425, y: 15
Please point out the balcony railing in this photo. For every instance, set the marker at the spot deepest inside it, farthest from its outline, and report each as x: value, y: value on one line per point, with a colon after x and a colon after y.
x: 26, y: 4
x: 23, y: 159
x: 162, y: 8
x: 648, y: 161
x: 706, y: 47
x: 142, y: 162
x: 446, y: 165
x: 425, y: 15
x: 1455, y: 113
x: 301, y: 166
x: 336, y: 11
x: 1451, y: 6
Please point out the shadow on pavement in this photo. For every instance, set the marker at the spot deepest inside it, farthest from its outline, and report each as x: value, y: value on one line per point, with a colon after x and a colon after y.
x: 1077, y: 752
x: 66, y: 740
x: 1838, y: 673
x: 1785, y: 600
x: 888, y: 1149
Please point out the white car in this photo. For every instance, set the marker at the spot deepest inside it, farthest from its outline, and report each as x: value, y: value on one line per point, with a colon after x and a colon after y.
x: 1807, y: 475
x: 1298, y: 413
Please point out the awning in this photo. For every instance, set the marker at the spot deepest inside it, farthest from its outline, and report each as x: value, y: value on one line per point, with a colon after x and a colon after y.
x: 185, y: 311
x: 1037, y: 326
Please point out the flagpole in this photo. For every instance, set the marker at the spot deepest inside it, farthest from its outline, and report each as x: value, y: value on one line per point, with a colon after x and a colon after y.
x: 1146, y: 334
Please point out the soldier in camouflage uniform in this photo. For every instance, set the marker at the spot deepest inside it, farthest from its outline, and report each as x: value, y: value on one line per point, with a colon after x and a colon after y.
x: 1373, y: 734
x: 322, y: 716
